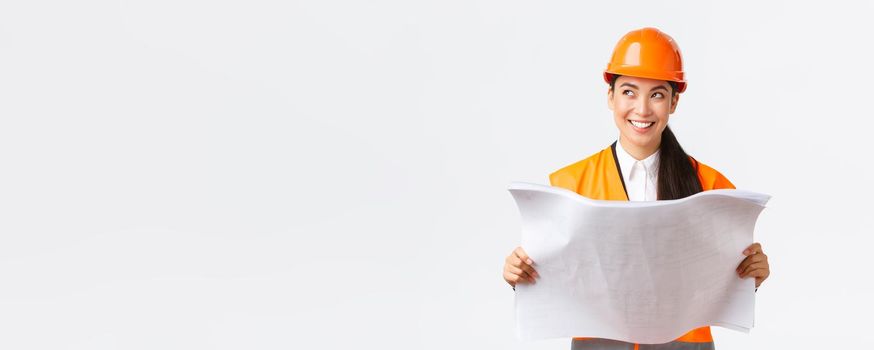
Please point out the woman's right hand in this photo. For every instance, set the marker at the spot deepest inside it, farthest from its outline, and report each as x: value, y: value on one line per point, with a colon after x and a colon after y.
x: 518, y: 269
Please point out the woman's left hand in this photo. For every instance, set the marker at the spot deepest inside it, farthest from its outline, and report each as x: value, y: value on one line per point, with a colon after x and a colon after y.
x: 755, y: 265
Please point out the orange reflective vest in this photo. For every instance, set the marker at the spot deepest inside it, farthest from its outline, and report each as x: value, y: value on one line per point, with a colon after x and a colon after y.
x: 598, y: 177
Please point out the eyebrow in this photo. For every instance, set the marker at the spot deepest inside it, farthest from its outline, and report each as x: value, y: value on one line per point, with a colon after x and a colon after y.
x: 635, y: 87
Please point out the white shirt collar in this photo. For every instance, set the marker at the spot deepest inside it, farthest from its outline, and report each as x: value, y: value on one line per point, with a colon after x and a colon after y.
x: 626, y: 162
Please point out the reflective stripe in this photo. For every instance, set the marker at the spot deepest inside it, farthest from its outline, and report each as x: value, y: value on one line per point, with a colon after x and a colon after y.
x: 608, y: 344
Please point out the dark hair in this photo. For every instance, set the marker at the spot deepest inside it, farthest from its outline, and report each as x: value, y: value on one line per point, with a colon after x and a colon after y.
x: 678, y: 176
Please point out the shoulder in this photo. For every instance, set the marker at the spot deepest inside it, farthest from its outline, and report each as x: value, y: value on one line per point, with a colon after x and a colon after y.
x: 711, y: 179
x: 569, y: 176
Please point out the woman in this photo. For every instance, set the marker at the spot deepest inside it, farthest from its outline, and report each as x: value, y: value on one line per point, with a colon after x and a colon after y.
x: 646, y: 163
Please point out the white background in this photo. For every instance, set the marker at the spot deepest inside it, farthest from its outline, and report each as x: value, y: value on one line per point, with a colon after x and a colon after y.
x: 332, y: 174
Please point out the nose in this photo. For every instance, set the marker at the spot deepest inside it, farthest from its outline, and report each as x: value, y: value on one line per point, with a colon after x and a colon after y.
x: 642, y: 108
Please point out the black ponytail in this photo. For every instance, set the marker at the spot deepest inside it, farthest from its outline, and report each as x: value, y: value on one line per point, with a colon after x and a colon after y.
x: 678, y: 177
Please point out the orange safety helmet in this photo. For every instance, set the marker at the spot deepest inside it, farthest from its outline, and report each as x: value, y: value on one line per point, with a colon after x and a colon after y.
x: 647, y: 53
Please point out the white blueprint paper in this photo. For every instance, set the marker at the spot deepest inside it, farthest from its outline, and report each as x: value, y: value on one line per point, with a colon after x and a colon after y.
x: 642, y: 272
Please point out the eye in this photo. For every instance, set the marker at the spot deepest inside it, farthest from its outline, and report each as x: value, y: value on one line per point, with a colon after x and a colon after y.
x: 658, y: 95
x: 627, y: 92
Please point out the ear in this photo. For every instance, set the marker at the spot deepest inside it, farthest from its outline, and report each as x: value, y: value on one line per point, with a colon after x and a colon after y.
x: 610, y: 98
x: 674, y: 100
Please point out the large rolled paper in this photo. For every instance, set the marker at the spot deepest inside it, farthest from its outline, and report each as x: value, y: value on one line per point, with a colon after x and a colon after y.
x: 640, y: 272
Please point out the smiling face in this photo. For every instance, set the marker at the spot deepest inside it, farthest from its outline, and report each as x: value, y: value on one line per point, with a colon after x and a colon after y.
x: 641, y: 108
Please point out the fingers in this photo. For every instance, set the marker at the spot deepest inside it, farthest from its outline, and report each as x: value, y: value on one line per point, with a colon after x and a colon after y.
x: 752, y: 259
x: 754, y: 248
x: 514, y: 279
x: 520, y: 253
x: 755, y: 270
x: 755, y: 264
x: 760, y: 271
x: 754, y: 254
x: 514, y: 275
x: 523, y: 276
x: 528, y: 269
x: 524, y: 262
x: 518, y: 269
x: 760, y: 274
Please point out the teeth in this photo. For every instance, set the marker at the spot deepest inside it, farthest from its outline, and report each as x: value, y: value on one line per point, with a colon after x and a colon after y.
x: 641, y: 125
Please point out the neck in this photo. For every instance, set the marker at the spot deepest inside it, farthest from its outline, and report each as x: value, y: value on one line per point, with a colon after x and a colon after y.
x: 638, y: 152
